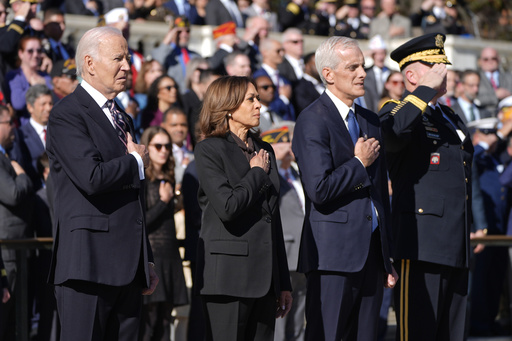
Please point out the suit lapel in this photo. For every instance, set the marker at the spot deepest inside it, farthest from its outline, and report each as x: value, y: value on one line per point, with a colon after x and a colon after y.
x: 98, y: 116
x: 336, y: 119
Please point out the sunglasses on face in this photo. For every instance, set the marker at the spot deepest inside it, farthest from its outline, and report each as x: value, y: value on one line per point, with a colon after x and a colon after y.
x: 159, y: 146
x: 397, y: 82
x: 296, y: 41
x: 169, y: 87
x: 32, y: 51
x: 494, y: 59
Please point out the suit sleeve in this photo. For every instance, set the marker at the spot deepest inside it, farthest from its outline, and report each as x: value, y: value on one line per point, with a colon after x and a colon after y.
x: 322, y: 180
x: 14, y: 190
x: 229, y: 200
x: 71, y: 144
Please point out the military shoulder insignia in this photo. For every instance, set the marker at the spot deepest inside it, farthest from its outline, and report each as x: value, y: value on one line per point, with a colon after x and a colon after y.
x: 293, y: 7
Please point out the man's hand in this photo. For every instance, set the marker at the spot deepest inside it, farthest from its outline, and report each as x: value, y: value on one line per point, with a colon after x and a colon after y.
x: 138, y: 148
x: 153, y: 281
x: 435, y: 77
x: 6, y: 296
x: 23, y: 9
x: 284, y: 304
x: 391, y: 279
x: 479, y: 247
x: 285, y: 90
x: 171, y: 36
x: 367, y: 150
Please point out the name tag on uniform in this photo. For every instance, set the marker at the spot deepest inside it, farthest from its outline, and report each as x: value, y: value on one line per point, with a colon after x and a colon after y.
x: 435, y: 158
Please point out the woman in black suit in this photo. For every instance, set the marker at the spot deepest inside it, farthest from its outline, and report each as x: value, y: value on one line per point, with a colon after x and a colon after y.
x: 172, y: 291
x: 242, y: 272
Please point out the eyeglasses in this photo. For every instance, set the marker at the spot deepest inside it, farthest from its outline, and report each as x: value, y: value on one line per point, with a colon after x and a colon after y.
x: 266, y: 87
x: 169, y: 87
x: 494, y: 59
x: 10, y: 122
x: 300, y: 41
x: 32, y: 51
x: 159, y: 146
x: 397, y: 82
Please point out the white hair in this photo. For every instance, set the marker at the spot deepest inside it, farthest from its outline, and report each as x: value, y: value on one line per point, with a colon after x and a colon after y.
x: 327, y: 56
x: 90, y: 42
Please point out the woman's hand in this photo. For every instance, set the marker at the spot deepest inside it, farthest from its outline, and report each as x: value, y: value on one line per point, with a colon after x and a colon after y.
x: 166, y: 191
x: 284, y: 304
x: 261, y: 159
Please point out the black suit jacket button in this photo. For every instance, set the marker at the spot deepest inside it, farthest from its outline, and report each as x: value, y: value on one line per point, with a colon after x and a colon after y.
x: 139, y: 221
x: 268, y: 220
x: 369, y: 217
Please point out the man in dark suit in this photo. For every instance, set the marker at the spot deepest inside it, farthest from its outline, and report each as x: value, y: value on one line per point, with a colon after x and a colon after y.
x: 32, y: 135
x: 15, y: 213
x: 309, y: 87
x: 495, y: 84
x: 220, y: 11
x: 102, y: 260
x: 376, y: 75
x: 464, y: 105
x: 346, y: 234
x: 54, y: 27
x: 429, y: 154
x: 292, y: 66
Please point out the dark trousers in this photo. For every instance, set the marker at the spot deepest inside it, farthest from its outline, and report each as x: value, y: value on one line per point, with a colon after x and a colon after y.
x: 345, y: 306
x: 430, y: 301
x: 239, y: 319
x: 90, y: 311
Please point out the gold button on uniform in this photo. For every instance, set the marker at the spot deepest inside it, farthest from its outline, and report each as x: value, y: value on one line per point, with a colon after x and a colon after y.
x: 420, y: 210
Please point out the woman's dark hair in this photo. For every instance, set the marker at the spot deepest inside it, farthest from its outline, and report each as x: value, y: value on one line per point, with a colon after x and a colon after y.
x: 168, y: 167
x: 153, y: 90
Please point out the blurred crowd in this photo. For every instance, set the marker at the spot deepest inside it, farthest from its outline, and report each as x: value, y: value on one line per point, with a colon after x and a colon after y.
x: 166, y: 88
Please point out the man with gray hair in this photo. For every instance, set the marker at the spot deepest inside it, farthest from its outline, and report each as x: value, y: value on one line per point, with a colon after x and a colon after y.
x: 102, y: 262
x: 346, y: 236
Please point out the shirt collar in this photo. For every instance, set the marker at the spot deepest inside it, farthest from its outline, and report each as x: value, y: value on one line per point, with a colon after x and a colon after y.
x: 342, y: 107
x: 95, y: 94
x: 37, y: 127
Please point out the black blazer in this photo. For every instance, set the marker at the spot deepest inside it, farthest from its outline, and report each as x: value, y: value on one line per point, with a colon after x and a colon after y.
x: 241, y: 250
x: 99, y: 201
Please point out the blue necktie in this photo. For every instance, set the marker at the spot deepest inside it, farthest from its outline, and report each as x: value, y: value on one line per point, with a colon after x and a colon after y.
x: 353, y: 130
x: 353, y: 127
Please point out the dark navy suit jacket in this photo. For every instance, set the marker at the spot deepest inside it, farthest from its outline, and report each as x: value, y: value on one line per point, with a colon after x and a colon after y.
x: 339, y: 190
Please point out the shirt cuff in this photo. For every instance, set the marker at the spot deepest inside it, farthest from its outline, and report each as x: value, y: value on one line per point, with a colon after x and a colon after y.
x: 357, y: 157
x: 20, y: 18
x: 140, y: 163
x: 484, y: 145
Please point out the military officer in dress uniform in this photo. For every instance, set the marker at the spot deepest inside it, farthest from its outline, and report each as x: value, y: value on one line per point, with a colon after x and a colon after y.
x: 429, y: 154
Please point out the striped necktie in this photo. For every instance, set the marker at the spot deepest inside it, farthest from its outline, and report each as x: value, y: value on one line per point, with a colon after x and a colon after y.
x: 119, y: 123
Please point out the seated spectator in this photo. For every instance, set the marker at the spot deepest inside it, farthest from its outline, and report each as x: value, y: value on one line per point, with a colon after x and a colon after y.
x: 162, y: 95
x: 54, y: 27
x: 465, y: 105
x: 438, y: 16
x: 367, y: 15
x: 265, y: 88
x: 18, y: 81
x: 64, y: 79
x: 389, y: 23
x: 173, y: 52
x: 452, y: 79
x: 200, y: 7
x: 183, y: 8
x: 376, y: 74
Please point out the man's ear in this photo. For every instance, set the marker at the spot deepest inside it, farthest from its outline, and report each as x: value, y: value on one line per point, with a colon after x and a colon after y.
x: 89, y: 65
x: 328, y: 75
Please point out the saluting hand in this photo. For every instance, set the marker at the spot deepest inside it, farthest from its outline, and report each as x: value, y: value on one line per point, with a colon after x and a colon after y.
x: 435, y: 77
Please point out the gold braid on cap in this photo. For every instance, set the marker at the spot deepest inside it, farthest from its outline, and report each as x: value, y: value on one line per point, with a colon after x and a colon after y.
x: 430, y: 56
